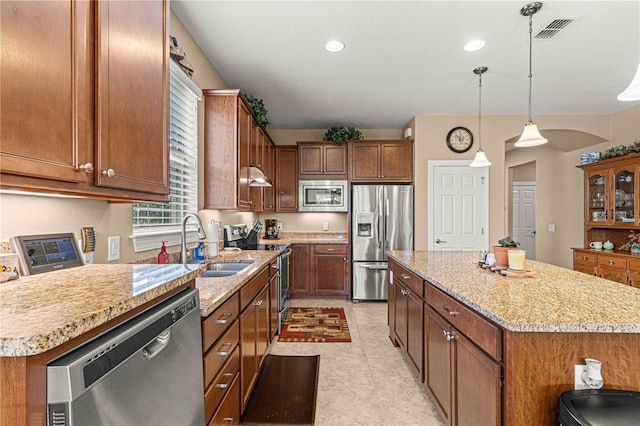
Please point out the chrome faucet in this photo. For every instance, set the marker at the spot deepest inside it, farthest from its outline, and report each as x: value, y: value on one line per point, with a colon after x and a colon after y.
x: 201, y: 234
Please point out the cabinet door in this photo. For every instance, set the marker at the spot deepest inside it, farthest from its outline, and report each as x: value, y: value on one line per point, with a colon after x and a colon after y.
x: 248, y: 352
x: 132, y: 95
x: 335, y: 161
x: 477, y: 386
x: 268, y: 192
x: 623, y: 197
x: 310, y: 159
x: 245, y: 136
x: 286, y: 179
x: 300, y: 269
x: 274, y: 298
x: 364, y: 162
x: 437, y: 369
x: 396, y: 162
x: 263, y: 304
x: 391, y: 307
x: 415, y: 321
x: 400, y: 318
x: 612, y: 274
x: 330, y: 274
x: 46, y: 89
x: 598, y: 197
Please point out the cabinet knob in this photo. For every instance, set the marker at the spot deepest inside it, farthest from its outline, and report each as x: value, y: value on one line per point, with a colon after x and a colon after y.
x: 88, y: 167
x: 611, y: 262
x: 585, y: 258
x: 450, y: 311
x: 108, y: 173
x: 405, y: 276
x: 224, y: 318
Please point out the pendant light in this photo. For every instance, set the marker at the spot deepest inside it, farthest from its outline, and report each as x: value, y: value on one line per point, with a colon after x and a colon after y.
x: 481, y: 158
x: 632, y: 93
x: 530, y: 135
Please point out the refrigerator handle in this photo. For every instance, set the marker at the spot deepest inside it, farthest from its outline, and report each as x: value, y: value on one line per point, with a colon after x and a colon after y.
x: 386, y: 223
x: 380, y: 224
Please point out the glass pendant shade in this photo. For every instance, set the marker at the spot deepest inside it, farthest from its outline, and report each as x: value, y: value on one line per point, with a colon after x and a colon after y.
x: 530, y: 136
x: 632, y: 93
x: 480, y: 160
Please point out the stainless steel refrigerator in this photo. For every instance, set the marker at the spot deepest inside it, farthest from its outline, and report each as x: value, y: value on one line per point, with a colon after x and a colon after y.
x: 381, y: 219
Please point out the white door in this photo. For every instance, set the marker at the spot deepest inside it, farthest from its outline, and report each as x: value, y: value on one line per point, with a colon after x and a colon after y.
x: 524, y: 217
x: 458, y: 207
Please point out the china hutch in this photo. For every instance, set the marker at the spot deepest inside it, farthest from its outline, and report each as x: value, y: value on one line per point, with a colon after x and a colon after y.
x: 612, y: 188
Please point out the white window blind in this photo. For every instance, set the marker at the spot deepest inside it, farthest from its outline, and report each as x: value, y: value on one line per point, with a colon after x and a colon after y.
x: 163, y: 219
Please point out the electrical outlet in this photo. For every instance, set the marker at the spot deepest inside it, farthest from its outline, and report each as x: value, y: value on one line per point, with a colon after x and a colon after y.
x: 279, y: 226
x: 578, y: 370
x: 114, y: 248
x: 552, y: 227
x: 88, y: 258
x: 325, y: 226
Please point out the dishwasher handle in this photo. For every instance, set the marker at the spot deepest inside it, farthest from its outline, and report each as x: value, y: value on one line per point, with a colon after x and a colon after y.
x: 157, y: 345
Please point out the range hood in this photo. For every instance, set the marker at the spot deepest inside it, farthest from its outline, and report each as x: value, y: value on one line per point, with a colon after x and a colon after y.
x: 257, y: 178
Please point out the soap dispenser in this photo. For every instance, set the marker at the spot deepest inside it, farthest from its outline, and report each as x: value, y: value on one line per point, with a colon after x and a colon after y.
x: 163, y: 256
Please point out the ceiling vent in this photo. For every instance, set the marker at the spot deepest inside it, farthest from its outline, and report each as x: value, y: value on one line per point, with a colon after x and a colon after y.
x: 554, y: 27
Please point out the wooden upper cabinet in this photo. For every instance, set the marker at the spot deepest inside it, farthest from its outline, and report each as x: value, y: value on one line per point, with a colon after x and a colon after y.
x: 286, y: 178
x: 381, y: 161
x: 46, y: 89
x: 322, y: 160
x: 77, y: 100
x: 227, y: 135
x: 268, y: 195
x: 262, y: 157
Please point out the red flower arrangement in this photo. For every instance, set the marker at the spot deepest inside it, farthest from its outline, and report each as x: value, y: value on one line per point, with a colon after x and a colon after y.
x: 633, y: 241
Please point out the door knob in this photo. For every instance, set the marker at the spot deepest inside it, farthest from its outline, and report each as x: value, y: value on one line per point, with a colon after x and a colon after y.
x: 438, y: 241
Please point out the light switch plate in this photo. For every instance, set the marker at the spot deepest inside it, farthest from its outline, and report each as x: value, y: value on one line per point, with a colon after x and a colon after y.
x: 325, y: 226
x: 552, y: 227
x: 114, y: 248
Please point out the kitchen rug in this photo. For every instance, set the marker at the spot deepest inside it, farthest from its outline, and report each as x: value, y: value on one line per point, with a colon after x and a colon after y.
x: 285, y: 392
x: 315, y: 325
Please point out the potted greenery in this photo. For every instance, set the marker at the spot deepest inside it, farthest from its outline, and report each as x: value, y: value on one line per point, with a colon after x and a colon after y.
x: 339, y: 135
x: 500, y: 251
x: 259, y: 111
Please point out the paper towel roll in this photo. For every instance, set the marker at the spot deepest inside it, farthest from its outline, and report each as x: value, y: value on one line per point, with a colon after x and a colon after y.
x: 213, y: 237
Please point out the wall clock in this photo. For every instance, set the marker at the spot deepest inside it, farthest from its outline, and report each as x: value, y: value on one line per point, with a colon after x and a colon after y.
x: 459, y: 139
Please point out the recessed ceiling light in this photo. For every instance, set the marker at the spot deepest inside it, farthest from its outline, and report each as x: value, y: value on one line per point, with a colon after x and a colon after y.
x: 334, y: 46
x: 474, y: 45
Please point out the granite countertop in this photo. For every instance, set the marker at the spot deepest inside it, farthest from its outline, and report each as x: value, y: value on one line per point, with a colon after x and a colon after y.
x: 309, y: 238
x: 556, y: 300
x: 40, y: 312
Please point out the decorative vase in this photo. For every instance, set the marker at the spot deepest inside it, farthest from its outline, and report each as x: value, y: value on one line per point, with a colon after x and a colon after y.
x: 635, y: 249
x: 502, y: 258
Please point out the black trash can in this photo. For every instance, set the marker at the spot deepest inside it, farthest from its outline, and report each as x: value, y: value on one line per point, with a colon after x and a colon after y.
x: 599, y: 407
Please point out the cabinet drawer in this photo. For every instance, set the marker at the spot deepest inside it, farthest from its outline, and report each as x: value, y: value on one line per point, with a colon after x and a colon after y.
x: 221, y: 384
x: 251, y: 289
x: 409, y: 279
x: 331, y: 249
x: 586, y: 269
x: 585, y: 258
x: 633, y: 265
x: 220, y: 352
x: 612, y: 262
x: 478, y: 329
x: 217, y: 322
x: 617, y: 275
x: 229, y: 411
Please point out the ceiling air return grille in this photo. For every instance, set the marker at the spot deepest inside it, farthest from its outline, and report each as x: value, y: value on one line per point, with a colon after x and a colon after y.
x: 554, y: 28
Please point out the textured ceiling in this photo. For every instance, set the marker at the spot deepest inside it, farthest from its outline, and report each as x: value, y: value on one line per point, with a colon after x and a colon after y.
x: 405, y: 58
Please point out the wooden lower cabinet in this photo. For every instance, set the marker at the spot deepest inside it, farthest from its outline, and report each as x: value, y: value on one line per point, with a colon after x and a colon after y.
x: 274, y: 296
x: 437, y: 370
x: 615, y: 266
x: 320, y: 270
x: 229, y: 410
x: 254, y: 342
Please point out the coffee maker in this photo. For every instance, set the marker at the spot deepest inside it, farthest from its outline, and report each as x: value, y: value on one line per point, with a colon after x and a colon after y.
x: 270, y: 229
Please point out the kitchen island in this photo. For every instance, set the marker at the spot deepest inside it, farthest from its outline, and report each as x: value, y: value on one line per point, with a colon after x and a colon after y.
x: 530, y: 331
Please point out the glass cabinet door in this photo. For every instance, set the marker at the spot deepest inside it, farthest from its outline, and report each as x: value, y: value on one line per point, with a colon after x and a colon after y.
x: 597, y: 200
x: 624, y: 201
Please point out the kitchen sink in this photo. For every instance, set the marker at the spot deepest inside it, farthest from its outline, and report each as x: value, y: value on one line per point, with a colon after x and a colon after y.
x: 224, y: 269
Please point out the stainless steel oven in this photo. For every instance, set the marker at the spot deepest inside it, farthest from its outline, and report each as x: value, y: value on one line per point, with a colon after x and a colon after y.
x: 323, y: 196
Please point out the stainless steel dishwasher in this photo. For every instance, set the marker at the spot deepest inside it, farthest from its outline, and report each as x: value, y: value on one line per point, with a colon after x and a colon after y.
x: 146, y: 371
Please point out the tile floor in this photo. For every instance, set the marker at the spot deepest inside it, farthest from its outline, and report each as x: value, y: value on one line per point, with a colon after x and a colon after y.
x: 367, y: 381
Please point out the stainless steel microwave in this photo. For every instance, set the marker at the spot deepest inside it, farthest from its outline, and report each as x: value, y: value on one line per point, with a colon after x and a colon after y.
x: 323, y: 196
